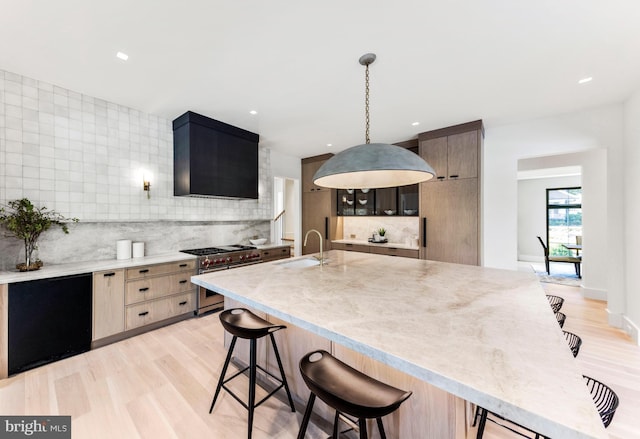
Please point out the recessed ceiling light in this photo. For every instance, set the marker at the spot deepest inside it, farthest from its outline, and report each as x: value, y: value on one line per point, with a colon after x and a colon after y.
x: 585, y: 80
x: 253, y: 112
x: 329, y: 144
x: 415, y: 124
x: 123, y: 56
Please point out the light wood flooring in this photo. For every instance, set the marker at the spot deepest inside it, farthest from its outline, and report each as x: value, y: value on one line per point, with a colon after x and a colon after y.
x: 159, y: 384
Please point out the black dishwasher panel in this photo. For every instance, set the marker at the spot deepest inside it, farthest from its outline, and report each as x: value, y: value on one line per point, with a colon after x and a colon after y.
x: 49, y: 319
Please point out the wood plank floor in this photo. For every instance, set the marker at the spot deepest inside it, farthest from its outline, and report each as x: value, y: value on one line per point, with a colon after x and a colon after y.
x: 159, y: 384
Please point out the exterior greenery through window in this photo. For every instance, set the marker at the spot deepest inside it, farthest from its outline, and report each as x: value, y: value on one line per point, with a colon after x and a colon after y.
x: 564, y: 219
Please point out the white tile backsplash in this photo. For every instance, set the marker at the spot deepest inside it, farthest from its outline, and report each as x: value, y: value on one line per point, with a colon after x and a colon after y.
x: 82, y: 157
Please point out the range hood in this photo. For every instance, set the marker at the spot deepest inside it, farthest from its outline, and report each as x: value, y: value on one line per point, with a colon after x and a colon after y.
x: 213, y: 159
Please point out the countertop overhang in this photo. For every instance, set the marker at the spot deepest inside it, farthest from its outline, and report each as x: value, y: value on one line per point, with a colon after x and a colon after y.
x: 486, y: 335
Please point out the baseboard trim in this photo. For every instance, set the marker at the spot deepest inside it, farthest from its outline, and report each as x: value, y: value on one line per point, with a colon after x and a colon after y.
x: 590, y: 293
x: 630, y: 328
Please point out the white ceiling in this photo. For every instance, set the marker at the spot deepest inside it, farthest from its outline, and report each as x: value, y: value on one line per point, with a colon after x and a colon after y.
x: 296, y: 62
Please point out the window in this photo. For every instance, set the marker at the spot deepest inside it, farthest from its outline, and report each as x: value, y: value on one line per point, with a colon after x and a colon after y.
x: 564, y: 219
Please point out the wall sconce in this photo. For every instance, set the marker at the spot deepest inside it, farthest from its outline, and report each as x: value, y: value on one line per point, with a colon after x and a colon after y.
x: 146, y: 186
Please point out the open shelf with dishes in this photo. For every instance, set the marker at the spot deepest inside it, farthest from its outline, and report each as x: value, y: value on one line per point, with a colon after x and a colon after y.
x: 394, y: 201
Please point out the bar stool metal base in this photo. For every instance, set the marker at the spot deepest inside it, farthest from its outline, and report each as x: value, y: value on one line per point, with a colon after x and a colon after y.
x: 251, y: 404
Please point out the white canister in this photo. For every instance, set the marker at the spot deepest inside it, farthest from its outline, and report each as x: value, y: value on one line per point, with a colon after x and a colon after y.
x: 123, y: 249
x: 138, y: 249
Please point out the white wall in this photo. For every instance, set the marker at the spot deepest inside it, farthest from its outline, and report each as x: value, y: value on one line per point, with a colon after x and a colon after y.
x: 532, y: 213
x: 598, y: 131
x: 631, y: 240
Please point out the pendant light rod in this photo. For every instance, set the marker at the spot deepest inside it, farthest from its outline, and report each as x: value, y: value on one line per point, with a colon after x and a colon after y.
x: 365, y: 60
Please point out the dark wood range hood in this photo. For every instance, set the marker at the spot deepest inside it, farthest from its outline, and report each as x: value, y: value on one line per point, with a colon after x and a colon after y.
x: 213, y: 159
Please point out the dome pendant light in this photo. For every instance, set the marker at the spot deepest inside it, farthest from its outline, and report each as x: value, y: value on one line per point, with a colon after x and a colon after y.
x: 372, y: 165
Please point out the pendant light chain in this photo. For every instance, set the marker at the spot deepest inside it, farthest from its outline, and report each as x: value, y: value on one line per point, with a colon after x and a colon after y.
x: 366, y: 103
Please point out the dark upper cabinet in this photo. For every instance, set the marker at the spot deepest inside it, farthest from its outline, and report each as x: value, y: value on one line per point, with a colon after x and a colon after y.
x: 213, y: 159
x: 393, y: 201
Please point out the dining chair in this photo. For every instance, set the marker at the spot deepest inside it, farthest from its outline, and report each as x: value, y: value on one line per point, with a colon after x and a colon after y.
x: 575, y: 260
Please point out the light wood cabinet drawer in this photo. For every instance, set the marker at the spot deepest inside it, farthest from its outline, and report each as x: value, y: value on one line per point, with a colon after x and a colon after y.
x: 392, y: 251
x: 350, y: 247
x: 153, y: 270
x: 155, y: 287
x: 155, y: 310
x: 276, y: 253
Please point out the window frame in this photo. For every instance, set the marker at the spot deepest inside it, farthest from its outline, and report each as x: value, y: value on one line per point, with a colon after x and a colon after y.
x: 560, y: 206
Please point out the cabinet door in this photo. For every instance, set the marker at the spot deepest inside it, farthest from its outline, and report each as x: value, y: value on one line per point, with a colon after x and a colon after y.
x: 108, y: 303
x: 386, y: 201
x: 451, y: 211
x: 346, y: 200
x: 462, y: 155
x: 434, y: 152
x: 308, y: 171
x: 316, y: 214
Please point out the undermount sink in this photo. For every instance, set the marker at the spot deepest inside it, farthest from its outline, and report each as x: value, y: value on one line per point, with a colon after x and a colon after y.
x: 301, y: 263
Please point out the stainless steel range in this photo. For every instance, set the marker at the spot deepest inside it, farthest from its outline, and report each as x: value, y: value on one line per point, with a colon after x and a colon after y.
x: 216, y: 259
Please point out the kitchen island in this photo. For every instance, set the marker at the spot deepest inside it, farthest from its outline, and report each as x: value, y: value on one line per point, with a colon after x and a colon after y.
x: 482, y: 335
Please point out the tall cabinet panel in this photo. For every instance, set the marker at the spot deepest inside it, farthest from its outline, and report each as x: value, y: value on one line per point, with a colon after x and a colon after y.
x: 318, y: 207
x: 450, y: 212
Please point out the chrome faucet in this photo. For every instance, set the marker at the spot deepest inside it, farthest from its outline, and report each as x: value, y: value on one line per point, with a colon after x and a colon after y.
x: 320, y: 237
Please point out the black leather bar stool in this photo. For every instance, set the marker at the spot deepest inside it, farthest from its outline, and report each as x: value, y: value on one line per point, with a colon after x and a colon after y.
x: 242, y: 323
x: 348, y: 391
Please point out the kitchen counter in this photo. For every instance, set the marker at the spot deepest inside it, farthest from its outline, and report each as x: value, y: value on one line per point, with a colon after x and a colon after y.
x: 270, y: 246
x: 55, y: 270
x: 376, y: 244
x: 485, y: 335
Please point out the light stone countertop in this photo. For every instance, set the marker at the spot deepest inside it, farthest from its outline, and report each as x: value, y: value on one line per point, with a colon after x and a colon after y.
x: 269, y: 246
x: 376, y: 244
x: 56, y: 270
x: 485, y: 335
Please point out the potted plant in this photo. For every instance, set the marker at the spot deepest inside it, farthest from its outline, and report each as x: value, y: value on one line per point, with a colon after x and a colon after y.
x: 381, y: 232
x: 27, y: 222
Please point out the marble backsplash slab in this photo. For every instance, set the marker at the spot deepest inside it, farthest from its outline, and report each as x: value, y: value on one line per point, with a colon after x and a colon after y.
x: 400, y: 229
x: 97, y: 240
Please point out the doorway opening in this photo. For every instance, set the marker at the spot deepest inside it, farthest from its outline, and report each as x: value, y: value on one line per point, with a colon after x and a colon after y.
x: 285, y: 225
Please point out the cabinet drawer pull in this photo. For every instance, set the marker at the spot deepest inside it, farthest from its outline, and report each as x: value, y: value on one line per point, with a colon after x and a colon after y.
x: 143, y: 289
x: 183, y: 281
x: 441, y: 177
x: 142, y: 314
x: 109, y: 274
x: 183, y: 265
x: 265, y: 253
x: 146, y: 270
x: 183, y: 303
x: 392, y: 249
x: 453, y: 176
x: 349, y: 245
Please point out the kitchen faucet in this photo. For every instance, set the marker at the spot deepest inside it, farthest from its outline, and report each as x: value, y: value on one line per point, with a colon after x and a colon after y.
x: 320, y: 237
